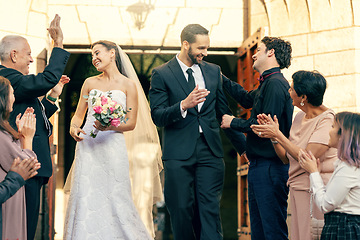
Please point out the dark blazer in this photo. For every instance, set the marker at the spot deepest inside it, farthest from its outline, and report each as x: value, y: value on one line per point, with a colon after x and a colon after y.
x: 271, y: 97
x: 168, y: 88
x: 27, y: 89
x: 8, y: 187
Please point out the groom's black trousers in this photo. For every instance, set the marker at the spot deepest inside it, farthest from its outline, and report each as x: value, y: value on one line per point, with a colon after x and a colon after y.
x: 193, y: 189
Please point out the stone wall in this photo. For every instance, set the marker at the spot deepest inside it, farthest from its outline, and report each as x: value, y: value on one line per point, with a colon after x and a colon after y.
x: 325, y: 34
x: 86, y: 21
x: 325, y: 37
x: 29, y: 19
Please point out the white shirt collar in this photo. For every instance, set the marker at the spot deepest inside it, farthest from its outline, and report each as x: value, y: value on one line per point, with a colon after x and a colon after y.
x: 194, y: 67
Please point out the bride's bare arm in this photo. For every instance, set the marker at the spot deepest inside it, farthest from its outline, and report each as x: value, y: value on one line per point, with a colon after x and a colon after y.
x: 80, y: 112
x: 132, y: 109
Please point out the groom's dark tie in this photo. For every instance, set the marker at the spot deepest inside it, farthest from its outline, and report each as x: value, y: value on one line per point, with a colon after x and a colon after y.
x: 191, y: 80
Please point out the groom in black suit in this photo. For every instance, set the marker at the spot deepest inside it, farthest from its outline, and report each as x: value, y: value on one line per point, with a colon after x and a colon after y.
x: 186, y: 98
x: 15, y: 55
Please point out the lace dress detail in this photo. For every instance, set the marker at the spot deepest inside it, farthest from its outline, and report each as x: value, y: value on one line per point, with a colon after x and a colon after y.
x: 100, y: 204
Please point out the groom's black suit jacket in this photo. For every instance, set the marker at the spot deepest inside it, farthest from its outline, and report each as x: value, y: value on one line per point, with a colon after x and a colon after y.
x: 168, y: 88
x: 27, y: 89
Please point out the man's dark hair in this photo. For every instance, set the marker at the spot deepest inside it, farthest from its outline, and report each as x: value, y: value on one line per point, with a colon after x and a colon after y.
x: 311, y: 84
x: 190, y: 31
x: 282, y: 50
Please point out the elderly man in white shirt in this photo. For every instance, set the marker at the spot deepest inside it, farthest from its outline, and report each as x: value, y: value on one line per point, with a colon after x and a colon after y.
x: 340, y: 199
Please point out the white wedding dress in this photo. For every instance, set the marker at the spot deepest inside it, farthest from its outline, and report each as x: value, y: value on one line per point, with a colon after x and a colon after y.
x: 100, y: 205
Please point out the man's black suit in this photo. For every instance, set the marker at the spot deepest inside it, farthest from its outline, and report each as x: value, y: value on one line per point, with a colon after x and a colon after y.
x: 27, y: 89
x: 194, y: 168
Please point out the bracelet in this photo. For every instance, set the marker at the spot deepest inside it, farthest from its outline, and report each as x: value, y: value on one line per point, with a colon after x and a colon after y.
x: 51, y: 98
x: 74, y: 125
x: 274, y: 142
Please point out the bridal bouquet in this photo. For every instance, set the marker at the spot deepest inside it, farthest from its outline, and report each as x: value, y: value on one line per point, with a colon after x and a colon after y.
x: 107, y: 111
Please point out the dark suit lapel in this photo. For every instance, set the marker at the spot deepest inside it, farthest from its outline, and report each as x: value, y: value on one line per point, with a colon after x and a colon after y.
x: 179, y: 75
x: 210, y: 84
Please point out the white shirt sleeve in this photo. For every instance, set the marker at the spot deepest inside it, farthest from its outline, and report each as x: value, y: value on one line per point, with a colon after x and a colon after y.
x: 329, y: 197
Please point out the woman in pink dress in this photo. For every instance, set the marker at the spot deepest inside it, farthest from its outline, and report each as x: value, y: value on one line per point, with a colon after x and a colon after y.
x: 309, y: 131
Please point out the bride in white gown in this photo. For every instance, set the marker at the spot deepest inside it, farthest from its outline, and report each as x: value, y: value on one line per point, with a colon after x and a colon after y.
x: 101, y: 205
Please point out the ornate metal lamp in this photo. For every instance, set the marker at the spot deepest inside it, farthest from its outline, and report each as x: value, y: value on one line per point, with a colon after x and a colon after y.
x: 140, y: 11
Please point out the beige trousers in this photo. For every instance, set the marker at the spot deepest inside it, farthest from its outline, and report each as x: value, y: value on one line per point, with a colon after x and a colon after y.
x: 301, y: 228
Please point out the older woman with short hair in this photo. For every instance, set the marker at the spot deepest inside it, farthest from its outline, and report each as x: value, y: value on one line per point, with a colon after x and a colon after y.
x: 309, y: 131
x: 340, y: 199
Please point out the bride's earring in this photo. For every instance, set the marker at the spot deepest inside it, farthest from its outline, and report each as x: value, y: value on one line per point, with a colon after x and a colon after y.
x: 302, y: 104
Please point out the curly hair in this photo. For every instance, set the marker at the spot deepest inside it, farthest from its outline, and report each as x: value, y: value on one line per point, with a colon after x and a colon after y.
x: 282, y: 50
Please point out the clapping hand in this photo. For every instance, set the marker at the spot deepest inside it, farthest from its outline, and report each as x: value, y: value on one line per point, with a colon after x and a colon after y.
x: 263, y: 119
x: 267, y: 128
x: 308, y: 161
x: 27, y: 123
x: 55, y: 32
x: 26, y: 168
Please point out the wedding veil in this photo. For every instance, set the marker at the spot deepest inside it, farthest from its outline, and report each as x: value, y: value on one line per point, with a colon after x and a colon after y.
x: 144, y: 153
x: 142, y: 143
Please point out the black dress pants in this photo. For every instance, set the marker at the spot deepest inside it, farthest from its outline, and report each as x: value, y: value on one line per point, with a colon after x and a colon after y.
x: 193, y: 189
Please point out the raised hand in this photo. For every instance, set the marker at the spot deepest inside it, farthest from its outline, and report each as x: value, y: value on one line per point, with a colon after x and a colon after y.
x: 55, y: 32
x: 26, y: 168
x: 57, y: 90
x: 194, y: 98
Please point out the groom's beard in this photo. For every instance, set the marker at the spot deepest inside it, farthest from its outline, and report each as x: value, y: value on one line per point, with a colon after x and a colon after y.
x: 192, y: 56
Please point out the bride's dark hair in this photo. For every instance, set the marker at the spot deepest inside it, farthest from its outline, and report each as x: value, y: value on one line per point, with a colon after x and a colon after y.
x: 4, y: 108
x: 111, y: 45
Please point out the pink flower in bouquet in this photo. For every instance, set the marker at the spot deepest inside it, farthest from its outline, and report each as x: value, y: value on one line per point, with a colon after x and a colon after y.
x: 98, y: 109
x: 104, y: 100
x: 115, y: 122
x: 107, y: 111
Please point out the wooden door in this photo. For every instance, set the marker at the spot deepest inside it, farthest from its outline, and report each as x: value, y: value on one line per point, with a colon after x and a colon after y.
x: 248, y: 78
